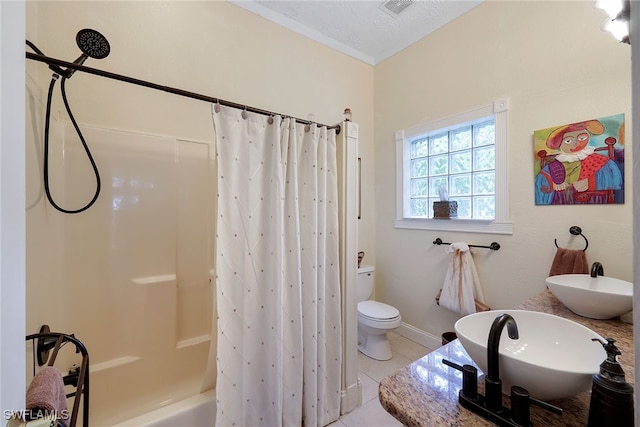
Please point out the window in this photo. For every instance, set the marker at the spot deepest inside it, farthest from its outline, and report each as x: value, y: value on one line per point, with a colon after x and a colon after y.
x: 460, y: 161
x: 464, y: 155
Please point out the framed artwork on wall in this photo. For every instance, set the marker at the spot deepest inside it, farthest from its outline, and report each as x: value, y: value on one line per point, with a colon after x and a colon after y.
x: 580, y: 163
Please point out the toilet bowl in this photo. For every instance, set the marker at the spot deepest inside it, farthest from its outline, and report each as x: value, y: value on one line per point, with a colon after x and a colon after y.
x: 375, y: 318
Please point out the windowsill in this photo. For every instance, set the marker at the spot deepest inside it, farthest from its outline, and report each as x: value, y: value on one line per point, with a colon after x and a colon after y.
x: 461, y: 225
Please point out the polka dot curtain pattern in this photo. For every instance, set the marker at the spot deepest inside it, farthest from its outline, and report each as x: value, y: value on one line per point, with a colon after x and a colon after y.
x: 277, y: 272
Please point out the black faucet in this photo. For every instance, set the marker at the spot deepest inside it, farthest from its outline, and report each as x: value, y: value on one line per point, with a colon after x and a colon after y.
x: 493, y: 383
x: 597, y: 269
x: 490, y: 406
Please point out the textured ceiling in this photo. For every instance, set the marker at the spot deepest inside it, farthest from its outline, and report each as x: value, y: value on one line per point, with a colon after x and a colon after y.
x: 361, y: 28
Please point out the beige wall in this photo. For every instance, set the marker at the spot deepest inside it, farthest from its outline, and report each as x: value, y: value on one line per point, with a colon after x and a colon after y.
x: 80, y: 268
x: 211, y: 47
x: 556, y: 66
x: 549, y: 58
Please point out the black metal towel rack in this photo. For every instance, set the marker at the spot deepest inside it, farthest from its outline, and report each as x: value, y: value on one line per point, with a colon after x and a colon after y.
x: 494, y: 246
x: 576, y: 231
x: 45, y: 342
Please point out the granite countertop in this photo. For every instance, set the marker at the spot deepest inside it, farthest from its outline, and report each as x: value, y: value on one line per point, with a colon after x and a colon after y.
x: 425, y: 393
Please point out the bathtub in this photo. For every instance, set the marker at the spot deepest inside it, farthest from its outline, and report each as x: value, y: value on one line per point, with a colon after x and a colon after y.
x: 196, y: 411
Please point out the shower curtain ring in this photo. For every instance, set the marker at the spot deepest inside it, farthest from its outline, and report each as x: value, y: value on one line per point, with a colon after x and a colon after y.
x: 244, y: 113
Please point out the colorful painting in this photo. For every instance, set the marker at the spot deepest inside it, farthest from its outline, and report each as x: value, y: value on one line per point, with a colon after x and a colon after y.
x: 580, y: 163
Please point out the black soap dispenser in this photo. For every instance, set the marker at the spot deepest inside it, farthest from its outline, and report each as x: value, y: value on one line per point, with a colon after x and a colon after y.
x: 611, y: 396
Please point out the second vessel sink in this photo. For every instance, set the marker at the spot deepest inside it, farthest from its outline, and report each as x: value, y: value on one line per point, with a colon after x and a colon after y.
x: 600, y: 297
x: 553, y: 357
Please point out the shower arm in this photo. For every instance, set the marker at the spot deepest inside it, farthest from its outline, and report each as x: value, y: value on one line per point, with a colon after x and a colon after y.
x: 78, y: 67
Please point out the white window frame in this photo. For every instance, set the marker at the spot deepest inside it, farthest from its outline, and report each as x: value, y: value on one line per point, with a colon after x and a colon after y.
x: 499, y: 109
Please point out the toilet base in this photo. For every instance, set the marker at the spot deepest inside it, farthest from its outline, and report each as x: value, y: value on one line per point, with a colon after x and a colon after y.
x: 375, y: 346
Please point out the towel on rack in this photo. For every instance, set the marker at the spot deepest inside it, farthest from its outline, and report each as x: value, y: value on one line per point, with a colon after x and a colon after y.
x: 46, y: 393
x: 461, y: 286
x: 569, y: 261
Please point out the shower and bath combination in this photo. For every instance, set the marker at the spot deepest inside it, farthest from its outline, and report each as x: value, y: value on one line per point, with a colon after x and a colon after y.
x: 66, y: 70
x: 94, y: 45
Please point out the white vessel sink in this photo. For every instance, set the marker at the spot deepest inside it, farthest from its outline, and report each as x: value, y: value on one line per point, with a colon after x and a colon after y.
x: 553, y: 358
x: 599, y: 297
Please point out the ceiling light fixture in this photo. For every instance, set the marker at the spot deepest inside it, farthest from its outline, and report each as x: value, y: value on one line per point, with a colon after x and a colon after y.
x: 618, y: 21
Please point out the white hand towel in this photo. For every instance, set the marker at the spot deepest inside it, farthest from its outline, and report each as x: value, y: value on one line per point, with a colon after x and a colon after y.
x: 461, y: 285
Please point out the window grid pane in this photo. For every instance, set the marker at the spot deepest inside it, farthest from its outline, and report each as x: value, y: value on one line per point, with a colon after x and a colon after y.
x: 419, y: 187
x: 464, y: 207
x: 439, y: 144
x: 484, y: 158
x: 463, y: 161
x: 420, y: 207
x: 460, y: 161
x: 484, y: 133
x: 420, y: 167
x: 420, y: 148
x: 484, y: 183
x: 460, y: 138
x: 461, y: 185
x: 484, y: 207
x: 439, y: 165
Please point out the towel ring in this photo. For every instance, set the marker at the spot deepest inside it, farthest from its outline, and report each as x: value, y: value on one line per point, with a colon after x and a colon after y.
x: 576, y: 231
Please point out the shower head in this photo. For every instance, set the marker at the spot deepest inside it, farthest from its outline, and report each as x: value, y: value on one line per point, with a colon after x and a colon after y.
x: 92, y: 44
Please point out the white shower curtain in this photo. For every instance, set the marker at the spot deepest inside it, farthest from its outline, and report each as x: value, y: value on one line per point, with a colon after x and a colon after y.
x: 277, y: 272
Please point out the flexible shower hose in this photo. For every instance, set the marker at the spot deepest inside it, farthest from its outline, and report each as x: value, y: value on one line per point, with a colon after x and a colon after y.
x: 58, y: 72
x: 54, y: 78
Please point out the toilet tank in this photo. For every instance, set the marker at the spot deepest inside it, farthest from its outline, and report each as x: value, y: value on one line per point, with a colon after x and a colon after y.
x: 365, y: 282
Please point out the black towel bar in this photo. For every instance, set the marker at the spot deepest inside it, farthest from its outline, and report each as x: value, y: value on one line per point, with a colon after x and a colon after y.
x: 494, y: 246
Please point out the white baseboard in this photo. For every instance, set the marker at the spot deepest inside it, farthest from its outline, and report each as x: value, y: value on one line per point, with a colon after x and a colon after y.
x: 351, y: 398
x: 417, y: 335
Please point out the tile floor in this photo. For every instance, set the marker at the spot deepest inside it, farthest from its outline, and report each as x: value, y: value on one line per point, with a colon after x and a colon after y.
x: 371, y: 413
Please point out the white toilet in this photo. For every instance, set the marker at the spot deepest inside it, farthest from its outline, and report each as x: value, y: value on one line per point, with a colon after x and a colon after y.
x: 375, y: 319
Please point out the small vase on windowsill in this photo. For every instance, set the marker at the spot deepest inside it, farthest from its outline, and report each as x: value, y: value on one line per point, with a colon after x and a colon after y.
x: 445, y: 209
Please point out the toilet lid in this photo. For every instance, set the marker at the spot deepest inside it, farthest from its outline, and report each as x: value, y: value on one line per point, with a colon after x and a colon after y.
x: 377, y: 310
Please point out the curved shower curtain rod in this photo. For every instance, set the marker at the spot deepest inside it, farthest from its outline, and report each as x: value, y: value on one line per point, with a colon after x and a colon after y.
x: 168, y: 89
